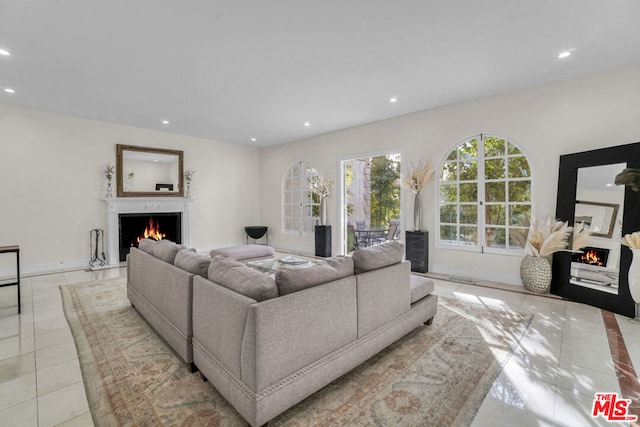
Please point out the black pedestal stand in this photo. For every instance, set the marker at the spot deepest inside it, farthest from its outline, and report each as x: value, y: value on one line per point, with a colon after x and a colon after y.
x: 323, y: 240
x: 418, y: 250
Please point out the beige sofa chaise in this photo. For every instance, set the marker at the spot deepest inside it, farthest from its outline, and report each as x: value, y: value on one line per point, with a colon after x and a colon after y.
x: 267, y: 346
x: 267, y: 343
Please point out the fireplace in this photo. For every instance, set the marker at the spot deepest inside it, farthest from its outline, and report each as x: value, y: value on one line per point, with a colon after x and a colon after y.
x: 592, y: 256
x: 134, y: 227
x: 595, y: 268
x: 156, y: 207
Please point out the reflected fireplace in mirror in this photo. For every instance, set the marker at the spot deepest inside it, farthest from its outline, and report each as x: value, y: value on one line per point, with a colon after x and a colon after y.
x: 591, y: 268
x: 134, y: 227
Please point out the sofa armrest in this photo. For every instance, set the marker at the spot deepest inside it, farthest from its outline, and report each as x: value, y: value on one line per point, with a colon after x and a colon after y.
x: 219, y: 318
x: 290, y: 332
x: 165, y: 286
x: 383, y: 295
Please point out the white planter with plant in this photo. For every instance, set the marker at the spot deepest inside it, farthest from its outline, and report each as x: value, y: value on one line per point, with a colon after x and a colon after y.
x: 633, y: 242
x: 543, y: 241
x: 419, y: 176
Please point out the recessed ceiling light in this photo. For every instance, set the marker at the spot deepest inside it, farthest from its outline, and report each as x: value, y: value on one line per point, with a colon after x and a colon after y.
x: 165, y: 122
x: 307, y: 124
x: 253, y: 140
x: 9, y: 90
x: 4, y: 52
x: 609, y: 185
x: 393, y: 99
x: 564, y: 54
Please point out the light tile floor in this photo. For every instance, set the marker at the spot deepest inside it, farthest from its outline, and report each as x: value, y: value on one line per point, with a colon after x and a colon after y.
x: 563, y: 360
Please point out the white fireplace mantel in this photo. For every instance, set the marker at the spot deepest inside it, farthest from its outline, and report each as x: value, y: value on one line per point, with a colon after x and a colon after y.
x: 122, y: 205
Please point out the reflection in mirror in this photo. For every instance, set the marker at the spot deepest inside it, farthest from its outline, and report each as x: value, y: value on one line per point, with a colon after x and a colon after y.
x: 146, y: 171
x: 599, y: 206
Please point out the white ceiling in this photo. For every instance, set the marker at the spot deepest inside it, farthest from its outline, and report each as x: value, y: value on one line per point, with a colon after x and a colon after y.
x: 231, y: 70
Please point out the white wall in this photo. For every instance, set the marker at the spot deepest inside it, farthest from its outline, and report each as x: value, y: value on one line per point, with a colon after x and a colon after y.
x: 52, y: 184
x: 547, y: 121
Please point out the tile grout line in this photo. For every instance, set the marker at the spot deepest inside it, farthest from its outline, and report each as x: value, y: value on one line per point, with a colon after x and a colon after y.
x: 625, y: 371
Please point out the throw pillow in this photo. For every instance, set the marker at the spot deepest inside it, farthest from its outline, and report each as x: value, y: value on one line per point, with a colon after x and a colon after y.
x: 294, y: 279
x: 374, y: 257
x: 192, y: 262
x: 244, y: 280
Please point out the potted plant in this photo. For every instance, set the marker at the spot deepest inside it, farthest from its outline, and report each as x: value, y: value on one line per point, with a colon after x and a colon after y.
x: 544, y: 239
x: 321, y: 187
x: 632, y: 241
x: 419, y: 176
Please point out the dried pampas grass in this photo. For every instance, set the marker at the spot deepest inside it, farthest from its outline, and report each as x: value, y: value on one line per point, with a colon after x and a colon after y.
x: 419, y: 176
x: 581, y: 237
x: 632, y: 240
x: 546, y: 238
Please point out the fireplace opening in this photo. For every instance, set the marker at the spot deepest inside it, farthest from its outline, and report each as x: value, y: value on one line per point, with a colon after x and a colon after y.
x: 592, y: 256
x: 157, y: 226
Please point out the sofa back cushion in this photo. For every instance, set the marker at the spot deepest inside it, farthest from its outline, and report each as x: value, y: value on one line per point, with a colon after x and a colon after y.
x: 294, y: 279
x: 147, y: 245
x: 244, y: 280
x: 374, y: 257
x: 167, y: 250
x: 192, y: 262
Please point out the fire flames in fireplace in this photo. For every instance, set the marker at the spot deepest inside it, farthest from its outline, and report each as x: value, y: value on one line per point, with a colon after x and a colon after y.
x: 151, y: 231
x: 591, y: 257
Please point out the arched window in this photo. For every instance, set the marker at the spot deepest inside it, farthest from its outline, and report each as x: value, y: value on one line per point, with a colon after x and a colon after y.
x: 484, y: 202
x: 299, y: 207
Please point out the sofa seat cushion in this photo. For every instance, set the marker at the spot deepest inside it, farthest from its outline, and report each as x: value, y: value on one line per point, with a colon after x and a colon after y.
x: 245, y: 252
x: 420, y: 287
x: 193, y: 262
x: 294, y: 279
x: 234, y: 275
x: 375, y: 257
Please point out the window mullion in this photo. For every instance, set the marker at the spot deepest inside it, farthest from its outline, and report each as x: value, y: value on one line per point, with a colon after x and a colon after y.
x: 481, y: 195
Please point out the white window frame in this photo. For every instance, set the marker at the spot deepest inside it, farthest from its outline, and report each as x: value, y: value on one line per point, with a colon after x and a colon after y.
x: 301, y: 201
x: 481, y: 246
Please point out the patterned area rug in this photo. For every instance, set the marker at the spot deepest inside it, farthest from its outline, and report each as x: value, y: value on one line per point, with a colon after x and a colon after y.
x: 436, y: 376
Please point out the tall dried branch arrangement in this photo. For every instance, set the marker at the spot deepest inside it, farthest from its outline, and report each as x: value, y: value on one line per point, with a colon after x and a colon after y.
x: 419, y: 176
x: 632, y: 240
x: 547, y: 238
x: 581, y: 237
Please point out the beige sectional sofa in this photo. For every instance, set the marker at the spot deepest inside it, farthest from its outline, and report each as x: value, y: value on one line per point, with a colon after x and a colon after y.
x: 266, y: 343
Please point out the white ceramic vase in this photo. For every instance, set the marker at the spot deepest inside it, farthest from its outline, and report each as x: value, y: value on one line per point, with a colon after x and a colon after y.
x: 417, y: 212
x: 323, y: 211
x: 634, y: 279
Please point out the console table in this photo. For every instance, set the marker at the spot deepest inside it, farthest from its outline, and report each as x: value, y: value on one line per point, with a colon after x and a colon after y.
x: 13, y: 249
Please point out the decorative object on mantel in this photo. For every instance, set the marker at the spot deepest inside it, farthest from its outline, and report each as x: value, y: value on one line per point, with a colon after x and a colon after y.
x: 419, y: 176
x: 188, y: 176
x: 108, y: 173
x: 632, y: 241
x: 544, y: 240
x: 322, y: 188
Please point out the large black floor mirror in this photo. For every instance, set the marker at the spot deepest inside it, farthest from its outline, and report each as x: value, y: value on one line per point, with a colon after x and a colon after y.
x: 587, y: 194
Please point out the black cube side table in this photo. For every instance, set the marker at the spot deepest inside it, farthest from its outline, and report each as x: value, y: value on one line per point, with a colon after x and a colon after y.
x: 418, y: 250
x: 15, y: 249
x: 323, y: 240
